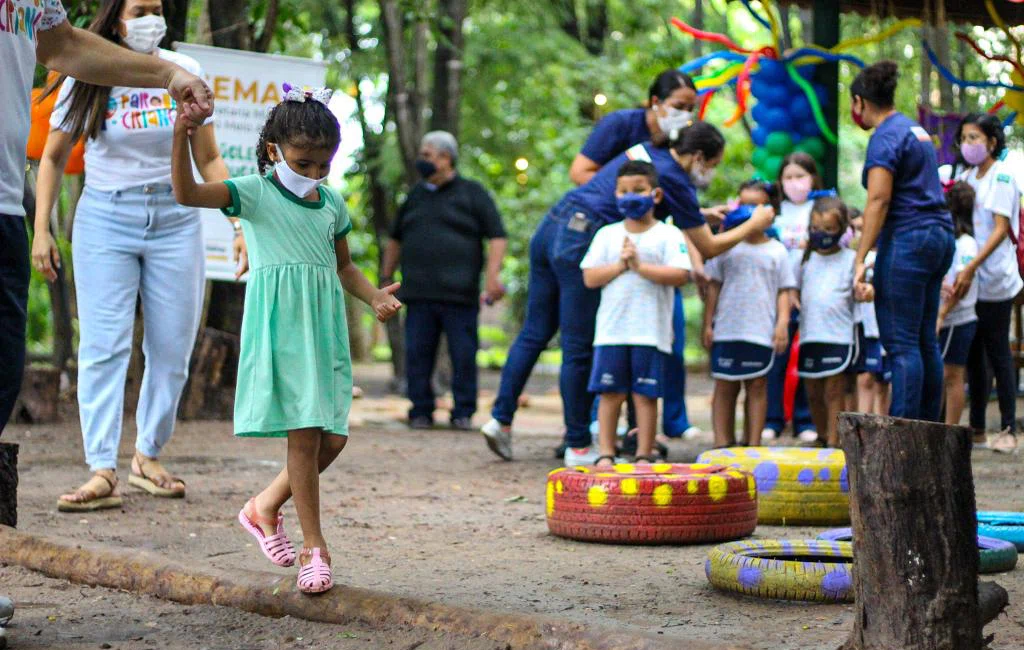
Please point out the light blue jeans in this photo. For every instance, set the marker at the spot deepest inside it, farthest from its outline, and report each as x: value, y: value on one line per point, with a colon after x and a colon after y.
x: 126, y: 244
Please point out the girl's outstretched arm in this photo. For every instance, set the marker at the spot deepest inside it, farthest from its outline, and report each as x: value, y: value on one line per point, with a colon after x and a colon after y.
x: 383, y: 301
x: 186, y: 190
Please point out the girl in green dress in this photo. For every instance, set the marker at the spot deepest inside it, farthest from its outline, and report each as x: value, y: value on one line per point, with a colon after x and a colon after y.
x: 294, y: 367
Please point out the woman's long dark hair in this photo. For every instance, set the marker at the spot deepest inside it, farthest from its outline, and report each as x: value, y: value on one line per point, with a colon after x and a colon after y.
x: 699, y: 136
x: 87, y: 103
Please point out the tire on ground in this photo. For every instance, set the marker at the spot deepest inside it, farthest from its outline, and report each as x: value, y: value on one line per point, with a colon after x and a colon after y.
x: 1007, y: 526
x: 806, y: 570
x: 796, y: 486
x: 651, y: 504
x: 994, y: 555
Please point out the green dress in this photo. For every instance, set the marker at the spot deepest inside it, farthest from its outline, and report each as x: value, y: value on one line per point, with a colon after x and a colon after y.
x: 294, y: 366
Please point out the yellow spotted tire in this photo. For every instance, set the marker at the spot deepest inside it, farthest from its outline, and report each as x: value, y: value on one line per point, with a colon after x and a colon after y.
x: 795, y: 486
x: 807, y: 570
x: 651, y: 504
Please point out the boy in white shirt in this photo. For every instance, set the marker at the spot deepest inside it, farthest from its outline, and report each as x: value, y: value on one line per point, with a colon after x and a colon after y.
x: 636, y: 263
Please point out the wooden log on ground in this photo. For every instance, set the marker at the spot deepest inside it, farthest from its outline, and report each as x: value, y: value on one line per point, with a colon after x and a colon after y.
x: 8, y: 484
x: 39, y: 399
x: 210, y: 391
x: 914, y: 518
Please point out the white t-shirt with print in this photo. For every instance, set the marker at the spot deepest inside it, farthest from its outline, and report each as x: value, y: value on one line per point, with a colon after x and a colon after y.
x: 751, y: 275
x: 792, y: 225
x: 133, y: 147
x: 996, y: 193
x: 634, y: 310
x: 864, y: 312
x: 963, y: 312
x: 826, y: 298
x: 21, y: 21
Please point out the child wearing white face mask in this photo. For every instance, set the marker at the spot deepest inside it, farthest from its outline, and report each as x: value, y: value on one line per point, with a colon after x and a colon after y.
x: 294, y: 368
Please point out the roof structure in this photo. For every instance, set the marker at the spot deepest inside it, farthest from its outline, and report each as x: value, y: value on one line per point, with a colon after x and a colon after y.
x: 960, y: 11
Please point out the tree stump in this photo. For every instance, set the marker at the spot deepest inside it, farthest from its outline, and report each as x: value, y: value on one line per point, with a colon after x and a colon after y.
x: 914, y: 518
x: 209, y: 393
x: 39, y: 399
x: 8, y: 484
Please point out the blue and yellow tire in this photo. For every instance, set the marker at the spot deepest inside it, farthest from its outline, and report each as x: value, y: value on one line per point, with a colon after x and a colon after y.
x: 807, y: 570
x: 796, y: 486
x: 651, y: 504
x: 1007, y: 526
x: 994, y: 555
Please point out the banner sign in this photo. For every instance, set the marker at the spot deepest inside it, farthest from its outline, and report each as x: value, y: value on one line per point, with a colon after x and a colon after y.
x: 245, y: 85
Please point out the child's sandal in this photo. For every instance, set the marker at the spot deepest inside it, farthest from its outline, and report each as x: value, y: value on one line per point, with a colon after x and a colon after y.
x: 608, y: 457
x: 277, y: 547
x: 315, y: 576
x: 647, y: 459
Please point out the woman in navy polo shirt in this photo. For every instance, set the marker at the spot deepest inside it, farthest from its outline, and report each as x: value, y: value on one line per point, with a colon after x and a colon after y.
x: 906, y: 214
x: 559, y: 301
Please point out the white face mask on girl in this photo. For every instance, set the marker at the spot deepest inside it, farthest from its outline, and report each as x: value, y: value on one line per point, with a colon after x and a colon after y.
x: 144, y: 34
x: 674, y: 119
x: 293, y: 181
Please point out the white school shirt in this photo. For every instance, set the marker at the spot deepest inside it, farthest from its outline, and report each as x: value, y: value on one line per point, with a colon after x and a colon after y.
x: 634, y: 310
x: 751, y: 275
x: 21, y: 21
x: 996, y: 193
x: 826, y: 298
x: 133, y: 147
x: 963, y: 312
x: 864, y: 312
x: 792, y: 225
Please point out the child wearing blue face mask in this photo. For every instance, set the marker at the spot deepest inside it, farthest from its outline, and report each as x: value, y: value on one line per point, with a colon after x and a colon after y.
x: 294, y: 367
x: 827, y: 341
x: 746, y: 320
x: 635, y: 262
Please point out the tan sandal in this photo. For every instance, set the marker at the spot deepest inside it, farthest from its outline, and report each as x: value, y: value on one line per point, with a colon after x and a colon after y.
x: 89, y: 499
x: 154, y: 480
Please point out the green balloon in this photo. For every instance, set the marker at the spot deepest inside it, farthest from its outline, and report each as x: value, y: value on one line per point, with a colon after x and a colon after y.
x: 814, y: 146
x: 771, y: 166
x: 779, y: 143
x: 760, y: 155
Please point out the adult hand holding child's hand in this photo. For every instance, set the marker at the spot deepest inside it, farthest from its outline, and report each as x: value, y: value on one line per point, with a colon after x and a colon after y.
x: 384, y: 303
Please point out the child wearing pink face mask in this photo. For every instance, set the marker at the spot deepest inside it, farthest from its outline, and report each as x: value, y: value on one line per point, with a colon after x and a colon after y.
x: 798, y: 176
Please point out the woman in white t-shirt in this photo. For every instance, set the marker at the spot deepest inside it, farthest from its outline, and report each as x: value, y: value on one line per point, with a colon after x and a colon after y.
x: 996, y: 209
x: 130, y: 239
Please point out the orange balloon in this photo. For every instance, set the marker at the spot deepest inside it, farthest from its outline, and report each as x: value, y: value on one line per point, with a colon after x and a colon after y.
x: 40, y: 130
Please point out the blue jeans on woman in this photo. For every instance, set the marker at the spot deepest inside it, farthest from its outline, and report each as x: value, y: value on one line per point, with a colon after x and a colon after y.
x: 676, y: 419
x: 908, y: 278
x: 557, y: 301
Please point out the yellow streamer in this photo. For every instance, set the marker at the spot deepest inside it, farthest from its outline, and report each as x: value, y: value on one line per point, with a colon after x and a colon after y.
x: 723, y: 76
x: 768, y: 9
x: 884, y: 34
x: 998, y: 20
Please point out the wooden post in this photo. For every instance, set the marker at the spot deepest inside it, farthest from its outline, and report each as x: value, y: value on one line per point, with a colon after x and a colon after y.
x: 8, y: 484
x: 826, y: 34
x: 915, y: 525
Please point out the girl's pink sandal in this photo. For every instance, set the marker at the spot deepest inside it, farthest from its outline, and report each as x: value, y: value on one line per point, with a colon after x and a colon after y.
x: 277, y: 547
x: 315, y: 577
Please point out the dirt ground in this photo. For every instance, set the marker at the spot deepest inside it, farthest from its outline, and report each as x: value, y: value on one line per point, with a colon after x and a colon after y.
x: 427, y: 514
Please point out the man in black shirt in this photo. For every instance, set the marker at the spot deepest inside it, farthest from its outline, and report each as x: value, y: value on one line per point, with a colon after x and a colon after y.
x: 439, y: 237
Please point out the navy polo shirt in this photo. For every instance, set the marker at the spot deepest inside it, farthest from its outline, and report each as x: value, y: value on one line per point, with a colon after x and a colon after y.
x: 615, y: 133
x: 597, y: 197
x: 900, y: 145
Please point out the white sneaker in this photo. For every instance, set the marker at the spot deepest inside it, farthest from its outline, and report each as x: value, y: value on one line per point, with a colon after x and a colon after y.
x: 581, y: 456
x: 807, y: 435
x: 499, y: 438
x: 769, y: 433
x: 692, y: 433
x: 1004, y: 443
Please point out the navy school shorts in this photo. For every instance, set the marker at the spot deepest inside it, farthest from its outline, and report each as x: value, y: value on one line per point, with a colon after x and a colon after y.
x: 869, y: 353
x: 955, y: 343
x: 820, y: 360
x: 740, y: 360
x: 627, y: 369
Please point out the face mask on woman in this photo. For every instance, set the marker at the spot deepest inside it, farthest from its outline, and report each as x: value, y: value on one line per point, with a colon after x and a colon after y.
x: 974, y: 153
x: 144, y: 34
x: 797, y: 189
x: 674, y: 119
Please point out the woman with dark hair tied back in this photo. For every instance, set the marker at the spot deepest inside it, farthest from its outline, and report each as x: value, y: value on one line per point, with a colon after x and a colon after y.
x: 131, y: 240
x: 557, y: 298
x: 906, y: 215
x: 996, y: 228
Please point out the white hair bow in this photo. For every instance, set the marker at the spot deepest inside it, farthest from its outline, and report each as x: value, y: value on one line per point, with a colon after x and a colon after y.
x: 296, y: 94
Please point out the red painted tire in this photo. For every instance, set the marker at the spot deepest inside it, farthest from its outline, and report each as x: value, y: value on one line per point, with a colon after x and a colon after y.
x: 651, y: 504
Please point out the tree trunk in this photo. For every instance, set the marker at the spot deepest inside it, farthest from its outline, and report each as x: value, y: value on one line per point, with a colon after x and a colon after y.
x: 210, y: 392
x: 448, y: 61
x: 913, y: 514
x: 262, y: 42
x: 597, y: 26
x: 229, y: 24
x: 567, y: 17
x: 401, y: 92
x: 697, y: 20
x: 941, y: 44
x: 787, y: 32
x: 176, y: 12
x: 38, y: 401
x: 8, y: 484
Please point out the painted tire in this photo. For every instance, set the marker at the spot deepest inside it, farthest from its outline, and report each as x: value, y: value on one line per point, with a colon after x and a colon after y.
x: 1007, y: 526
x: 651, y: 504
x: 808, y: 570
x: 796, y: 486
x: 994, y: 555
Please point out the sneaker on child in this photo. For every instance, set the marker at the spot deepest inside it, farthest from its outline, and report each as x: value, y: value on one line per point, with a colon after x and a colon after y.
x: 581, y: 456
x: 499, y: 438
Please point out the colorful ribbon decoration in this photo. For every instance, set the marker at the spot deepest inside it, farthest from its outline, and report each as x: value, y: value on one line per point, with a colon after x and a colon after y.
x: 1001, y: 24
x: 756, y: 16
x: 721, y: 39
x: 700, y: 62
x: 704, y: 101
x: 812, y: 98
x: 796, y: 57
x: 991, y: 57
x: 743, y: 89
x: 956, y: 81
